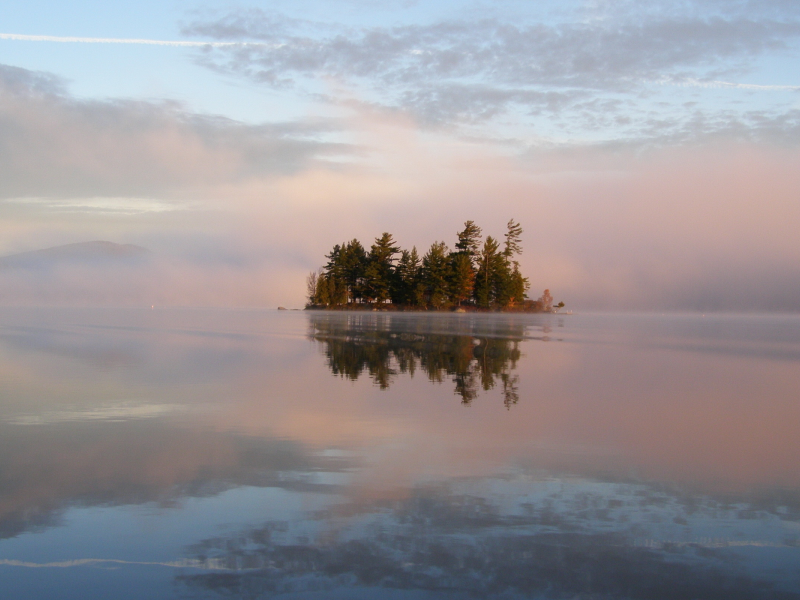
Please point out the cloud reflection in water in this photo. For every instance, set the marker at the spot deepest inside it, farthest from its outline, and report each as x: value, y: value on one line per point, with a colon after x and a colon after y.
x: 645, y: 457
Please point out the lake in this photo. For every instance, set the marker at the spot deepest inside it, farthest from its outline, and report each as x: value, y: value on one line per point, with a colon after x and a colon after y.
x: 265, y: 454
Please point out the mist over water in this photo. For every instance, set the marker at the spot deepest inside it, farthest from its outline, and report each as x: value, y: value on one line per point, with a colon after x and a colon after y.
x: 217, y: 453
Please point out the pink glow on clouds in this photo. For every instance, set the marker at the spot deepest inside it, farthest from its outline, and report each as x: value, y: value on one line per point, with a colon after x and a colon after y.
x: 706, y: 227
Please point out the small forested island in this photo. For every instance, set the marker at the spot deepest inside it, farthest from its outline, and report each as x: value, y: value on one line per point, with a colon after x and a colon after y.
x: 478, y: 275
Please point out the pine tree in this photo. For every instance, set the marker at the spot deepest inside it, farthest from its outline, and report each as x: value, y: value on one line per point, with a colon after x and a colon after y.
x: 519, y: 285
x: 337, y: 291
x: 489, y: 259
x: 330, y: 291
x: 407, y: 278
x: 353, y: 259
x: 462, y: 282
x: 379, y: 272
x: 502, y: 284
x: 511, y: 284
x: 469, y: 240
x: 462, y: 261
x: 436, y: 275
x: 418, y: 288
x: 513, y: 243
x: 332, y: 267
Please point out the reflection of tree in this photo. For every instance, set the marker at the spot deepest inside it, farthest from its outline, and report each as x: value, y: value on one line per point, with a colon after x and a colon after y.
x: 475, y: 353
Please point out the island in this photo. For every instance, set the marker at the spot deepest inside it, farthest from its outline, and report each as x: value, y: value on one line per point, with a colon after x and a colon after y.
x: 477, y: 275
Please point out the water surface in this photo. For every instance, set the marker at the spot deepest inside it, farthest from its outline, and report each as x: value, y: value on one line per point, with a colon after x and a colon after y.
x: 261, y: 454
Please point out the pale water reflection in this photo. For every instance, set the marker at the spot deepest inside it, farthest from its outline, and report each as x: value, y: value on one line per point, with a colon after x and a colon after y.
x: 373, y: 455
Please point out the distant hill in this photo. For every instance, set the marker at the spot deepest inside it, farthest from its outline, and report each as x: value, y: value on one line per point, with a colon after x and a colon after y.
x: 82, y: 253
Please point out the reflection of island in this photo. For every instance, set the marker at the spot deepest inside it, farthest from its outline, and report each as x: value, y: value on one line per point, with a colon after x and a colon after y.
x: 475, y: 353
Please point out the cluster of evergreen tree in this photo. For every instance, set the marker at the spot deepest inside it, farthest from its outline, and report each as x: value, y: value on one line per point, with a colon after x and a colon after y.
x: 478, y: 273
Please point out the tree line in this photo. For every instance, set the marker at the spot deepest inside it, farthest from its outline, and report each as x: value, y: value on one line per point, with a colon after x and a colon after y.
x: 479, y: 273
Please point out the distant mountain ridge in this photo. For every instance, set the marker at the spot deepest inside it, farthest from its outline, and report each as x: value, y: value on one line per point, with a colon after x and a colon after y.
x: 79, y: 253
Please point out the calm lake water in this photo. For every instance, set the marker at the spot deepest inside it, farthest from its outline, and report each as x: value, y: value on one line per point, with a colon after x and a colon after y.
x: 245, y: 454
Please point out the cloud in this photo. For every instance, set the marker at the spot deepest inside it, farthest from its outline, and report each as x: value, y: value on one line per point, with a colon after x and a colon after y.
x: 478, y: 102
x: 639, y: 9
x: 593, y: 55
x: 689, y: 213
x: 467, y: 71
x: 24, y: 83
x: 54, y: 145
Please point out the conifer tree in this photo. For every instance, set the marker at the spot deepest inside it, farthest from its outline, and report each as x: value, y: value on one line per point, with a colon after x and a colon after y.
x: 418, y: 289
x: 436, y: 274
x: 519, y: 285
x: 489, y: 259
x: 407, y: 278
x: 331, y: 291
x: 502, y: 284
x: 469, y: 240
x: 512, y: 285
x: 379, y: 271
x: 462, y: 282
x: 332, y: 267
x: 353, y: 259
x: 462, y: 267
x: 337, y: 291
x: 513, y: 237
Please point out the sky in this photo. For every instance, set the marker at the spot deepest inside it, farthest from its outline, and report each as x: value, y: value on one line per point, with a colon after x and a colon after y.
x: 649, y: 149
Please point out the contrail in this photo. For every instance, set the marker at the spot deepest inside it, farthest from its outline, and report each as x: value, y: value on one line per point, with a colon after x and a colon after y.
x: 90, y: 40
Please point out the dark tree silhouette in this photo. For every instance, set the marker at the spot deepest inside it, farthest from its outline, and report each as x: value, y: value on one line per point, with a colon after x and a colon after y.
x: 477, y: 275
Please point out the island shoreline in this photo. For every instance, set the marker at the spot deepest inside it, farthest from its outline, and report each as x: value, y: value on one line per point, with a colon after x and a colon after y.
x: 366, y: 307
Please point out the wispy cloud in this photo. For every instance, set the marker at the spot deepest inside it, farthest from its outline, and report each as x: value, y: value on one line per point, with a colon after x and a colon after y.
x: 597, y: 55
x: 592, y: 77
